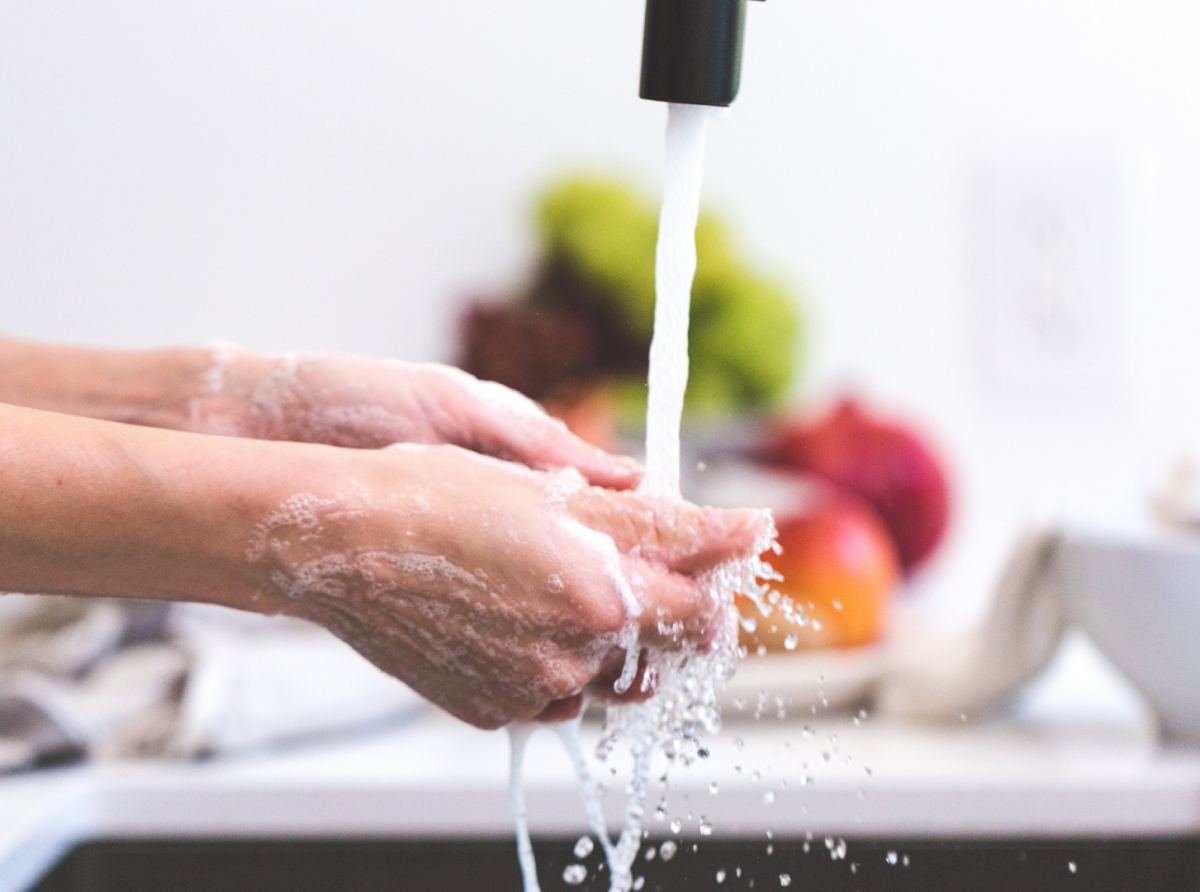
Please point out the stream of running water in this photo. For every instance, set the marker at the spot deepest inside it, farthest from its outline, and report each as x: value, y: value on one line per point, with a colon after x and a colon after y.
x: 684, y: 703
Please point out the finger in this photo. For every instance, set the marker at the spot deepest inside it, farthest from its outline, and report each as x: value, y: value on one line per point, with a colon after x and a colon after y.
x: 545, y: 443
x: 674, y: 610
x: 498, y: 421
x: 561, y: 710
x: 676, y: 534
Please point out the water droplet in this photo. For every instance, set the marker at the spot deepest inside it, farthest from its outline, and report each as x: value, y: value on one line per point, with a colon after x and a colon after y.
x: 808, y: 733
x: 762, y: 652
x: 705, y: 828
x: 714, y: 788
x: 738, y: 743
x: 555, y: 583
x: 790, y: 642
x: 651, y: 853
x: 769, y: 797
x: 785, y: 879
x: 638, y: 883
x: 721, y: 875
x: 754, y: 776
x: 667, y: 850
x: 1071, y: 866
x: 584, y: 846
x: 770, y: 849
x: 574, y: 874
x: 676, y: 826
x: 904, y: 860
x: 837, y: 850
x: 892, y: 859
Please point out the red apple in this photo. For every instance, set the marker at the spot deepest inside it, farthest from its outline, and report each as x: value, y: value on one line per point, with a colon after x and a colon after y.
x: 881, y: 461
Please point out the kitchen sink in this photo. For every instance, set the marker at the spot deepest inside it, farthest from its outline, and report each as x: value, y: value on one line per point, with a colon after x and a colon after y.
x: 896, y: 865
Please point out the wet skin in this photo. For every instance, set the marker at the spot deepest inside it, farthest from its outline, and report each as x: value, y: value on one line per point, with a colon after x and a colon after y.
x: 471, y: 568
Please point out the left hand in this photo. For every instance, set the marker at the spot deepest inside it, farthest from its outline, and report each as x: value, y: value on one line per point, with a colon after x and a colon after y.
x: 341, y: 399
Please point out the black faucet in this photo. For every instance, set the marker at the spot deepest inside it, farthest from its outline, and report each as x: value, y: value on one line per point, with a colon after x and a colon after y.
x: 692, y: 51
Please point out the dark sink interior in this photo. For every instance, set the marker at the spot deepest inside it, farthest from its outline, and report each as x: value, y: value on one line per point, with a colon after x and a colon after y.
x: 1164, y: 865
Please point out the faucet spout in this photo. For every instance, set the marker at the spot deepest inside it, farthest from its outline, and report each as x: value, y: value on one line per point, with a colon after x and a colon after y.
x: 692, y: 51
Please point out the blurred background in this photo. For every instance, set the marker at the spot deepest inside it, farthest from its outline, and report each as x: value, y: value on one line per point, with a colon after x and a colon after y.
x: 946, y: 322
x: 986, y: 211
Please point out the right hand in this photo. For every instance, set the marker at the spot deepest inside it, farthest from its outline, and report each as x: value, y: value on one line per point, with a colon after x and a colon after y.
x: 491, y: 589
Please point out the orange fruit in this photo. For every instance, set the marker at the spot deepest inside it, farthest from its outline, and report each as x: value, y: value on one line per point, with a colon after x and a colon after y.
x: 839, y: 567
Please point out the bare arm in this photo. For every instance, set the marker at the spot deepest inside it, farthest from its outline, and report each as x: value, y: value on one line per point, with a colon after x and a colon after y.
x: 336, y: 399
x: 94, y: 508
x: 494, y: 590
x: 148, y: 387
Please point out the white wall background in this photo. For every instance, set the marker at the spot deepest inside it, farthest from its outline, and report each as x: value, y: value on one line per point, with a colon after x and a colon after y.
x: 298, y: 175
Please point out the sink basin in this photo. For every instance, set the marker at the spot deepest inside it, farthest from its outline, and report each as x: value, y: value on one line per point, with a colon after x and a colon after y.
x: 1097, y: 865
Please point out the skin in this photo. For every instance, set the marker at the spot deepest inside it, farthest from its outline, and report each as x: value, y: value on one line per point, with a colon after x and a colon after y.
x: 469, y: 567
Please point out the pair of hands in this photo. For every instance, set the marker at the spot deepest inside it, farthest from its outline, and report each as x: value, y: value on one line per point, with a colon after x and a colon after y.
x: 469, y: 563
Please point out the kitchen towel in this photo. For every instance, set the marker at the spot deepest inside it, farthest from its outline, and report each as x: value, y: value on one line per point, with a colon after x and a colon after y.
x: 943, y: 674
x: 117, y: 679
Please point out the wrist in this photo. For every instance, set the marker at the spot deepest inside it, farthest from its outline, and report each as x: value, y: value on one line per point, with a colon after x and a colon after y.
x: 147, y: 387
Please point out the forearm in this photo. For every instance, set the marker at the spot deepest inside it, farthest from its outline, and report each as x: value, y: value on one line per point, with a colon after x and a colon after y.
x: 93, y: 508
x: 148, y: 387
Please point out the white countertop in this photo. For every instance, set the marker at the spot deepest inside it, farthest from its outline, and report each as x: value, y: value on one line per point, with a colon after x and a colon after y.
x: 437, y: 777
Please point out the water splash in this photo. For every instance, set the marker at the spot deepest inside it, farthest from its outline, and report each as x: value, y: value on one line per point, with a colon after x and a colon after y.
x: 684, y: 704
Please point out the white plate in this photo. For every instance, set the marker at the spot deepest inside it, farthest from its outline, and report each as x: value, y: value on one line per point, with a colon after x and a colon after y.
x: 827, y: 679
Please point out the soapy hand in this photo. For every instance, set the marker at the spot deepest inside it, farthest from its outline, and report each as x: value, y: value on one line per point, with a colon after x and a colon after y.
x: 497, y: 592
x: 342, y: 399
